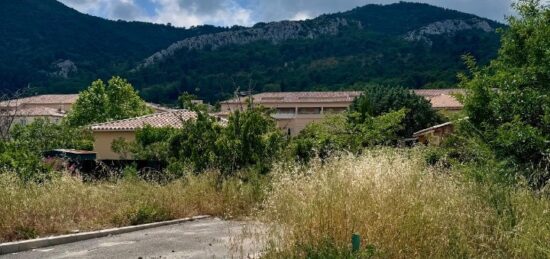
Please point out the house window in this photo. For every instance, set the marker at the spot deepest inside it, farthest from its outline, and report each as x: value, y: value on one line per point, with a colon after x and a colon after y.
x: 309, y: 110
x: 334, y: 110
x: 286, y: 110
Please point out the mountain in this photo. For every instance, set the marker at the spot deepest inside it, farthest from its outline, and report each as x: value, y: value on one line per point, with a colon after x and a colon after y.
x: 48, y: 44
x: 409, y: 44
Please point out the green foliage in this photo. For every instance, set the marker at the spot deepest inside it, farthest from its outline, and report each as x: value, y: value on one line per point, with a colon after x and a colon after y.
x: 508, y: 100
x: 374, y: 53
x: 195, y: 144
x: 25, y: 163
x: 322, y: 139
x: 43, y: 135
x: 98, y: 47
x: 379, y: 100
x: 251, y: 138
x: 100, y: 103
x: 151, y: 144
x: 345, y: 133
x: 22, y: 154
x: 381, y: 130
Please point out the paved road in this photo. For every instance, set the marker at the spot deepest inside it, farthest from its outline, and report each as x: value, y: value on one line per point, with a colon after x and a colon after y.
x: 207, y: 238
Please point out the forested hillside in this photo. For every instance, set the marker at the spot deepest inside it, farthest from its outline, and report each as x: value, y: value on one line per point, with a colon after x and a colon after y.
x: 46, y: 44
x: 57, y: 49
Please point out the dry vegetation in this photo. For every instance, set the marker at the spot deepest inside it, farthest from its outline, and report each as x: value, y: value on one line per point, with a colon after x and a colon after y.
x: 66, y: 203
x: 401, y: 209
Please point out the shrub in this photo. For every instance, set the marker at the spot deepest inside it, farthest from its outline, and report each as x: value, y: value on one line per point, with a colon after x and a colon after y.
x: 378, y: 100
x: 507, y: 100
x: 338, y: 134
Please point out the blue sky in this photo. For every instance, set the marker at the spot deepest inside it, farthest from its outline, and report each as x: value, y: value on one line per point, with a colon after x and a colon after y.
x: 186, y: 13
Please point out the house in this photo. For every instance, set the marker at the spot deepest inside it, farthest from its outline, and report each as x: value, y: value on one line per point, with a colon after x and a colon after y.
x: 434, y: 135
x: 52, y: 107
x: 295, y: 110
x: 105, y: 133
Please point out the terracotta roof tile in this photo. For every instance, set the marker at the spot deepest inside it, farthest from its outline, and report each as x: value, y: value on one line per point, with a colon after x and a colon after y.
x: 165, y: 119
x: 43, y: 99
x: 440, y: 98
x: 435, y: 92
x: 444, y: 101
x: 40, y: 111
x: 304, y: 97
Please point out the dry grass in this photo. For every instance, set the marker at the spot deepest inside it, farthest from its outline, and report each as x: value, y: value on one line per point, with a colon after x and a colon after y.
x: 67, y: 204
x: 401, y: 209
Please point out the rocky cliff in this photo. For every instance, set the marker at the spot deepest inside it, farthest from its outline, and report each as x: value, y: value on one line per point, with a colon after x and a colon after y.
x: 274, y: 32
x: 447, y: 27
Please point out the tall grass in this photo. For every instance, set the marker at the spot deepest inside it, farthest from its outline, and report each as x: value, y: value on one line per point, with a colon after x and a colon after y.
x: 66, y: 203
x: 401, y: 208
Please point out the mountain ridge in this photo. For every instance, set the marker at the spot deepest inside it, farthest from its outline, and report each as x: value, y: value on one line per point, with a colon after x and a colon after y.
x: 66, y: 50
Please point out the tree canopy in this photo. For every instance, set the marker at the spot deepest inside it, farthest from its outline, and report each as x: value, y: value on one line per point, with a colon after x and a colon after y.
x: 102, y: 102
x: 379, y: 100
x: 508, y: 101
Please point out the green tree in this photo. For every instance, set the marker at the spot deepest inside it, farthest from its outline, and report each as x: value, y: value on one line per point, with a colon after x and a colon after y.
x: 194, y: 145
x: 251, y: 138
x: 379, y: 100
x: 508, y: 101
x: 339, y: 133
x: 100, y: 103
x: 43, y: 135
x: 22, y: 153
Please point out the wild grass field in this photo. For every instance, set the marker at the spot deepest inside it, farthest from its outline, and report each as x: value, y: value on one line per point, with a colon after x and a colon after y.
x: 401, y: 208
x: 399, y: 205
x: 66, y: 203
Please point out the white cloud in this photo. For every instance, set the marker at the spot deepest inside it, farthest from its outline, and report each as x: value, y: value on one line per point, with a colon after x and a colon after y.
x: 247, y: 12
x: 111, y: 9
x: 196, y: 12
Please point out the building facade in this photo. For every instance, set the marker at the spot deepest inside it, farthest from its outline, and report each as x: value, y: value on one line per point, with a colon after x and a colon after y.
x: 52, y: 107
x: 295, y: 110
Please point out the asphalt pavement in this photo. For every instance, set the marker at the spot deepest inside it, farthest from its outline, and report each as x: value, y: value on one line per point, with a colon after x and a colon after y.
x: 206, y: 238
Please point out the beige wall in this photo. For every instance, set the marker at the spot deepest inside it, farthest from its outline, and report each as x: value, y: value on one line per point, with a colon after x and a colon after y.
x: 295, y: 122
x: 104, y: 139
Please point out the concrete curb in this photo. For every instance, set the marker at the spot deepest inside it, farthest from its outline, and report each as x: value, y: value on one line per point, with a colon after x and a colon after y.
x: 19, y: 246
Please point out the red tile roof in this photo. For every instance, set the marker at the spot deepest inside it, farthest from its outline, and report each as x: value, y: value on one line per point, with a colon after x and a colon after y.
x: 166, y: 119
x: 40, y: 112
x: 302, y: 97
x: 43, y: 99
x: 445, y: 102
x: 440, y: 98
x: 435, y: 92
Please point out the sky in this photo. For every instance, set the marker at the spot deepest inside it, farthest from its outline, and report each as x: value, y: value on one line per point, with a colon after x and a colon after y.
x: 186, y: 13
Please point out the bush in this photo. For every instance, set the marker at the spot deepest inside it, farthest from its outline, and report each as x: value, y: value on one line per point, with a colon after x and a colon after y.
x: 507, y: 101
x: 22, y: 153
x: 378, y: 100
x: 339, y: 134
